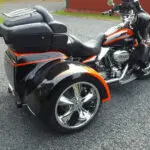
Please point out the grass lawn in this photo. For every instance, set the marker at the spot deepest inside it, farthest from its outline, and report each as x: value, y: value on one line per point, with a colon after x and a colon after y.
x: 86, y: 15
x: 1, y: 20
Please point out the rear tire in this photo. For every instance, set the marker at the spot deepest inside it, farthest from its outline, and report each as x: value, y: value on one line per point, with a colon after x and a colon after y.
x: 66, y: 99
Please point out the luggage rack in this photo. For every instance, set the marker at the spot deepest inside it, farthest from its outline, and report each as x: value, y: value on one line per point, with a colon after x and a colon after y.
x: 19, y: 12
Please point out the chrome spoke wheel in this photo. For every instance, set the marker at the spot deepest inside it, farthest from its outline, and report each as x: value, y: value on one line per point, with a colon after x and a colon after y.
x: 77, y: 105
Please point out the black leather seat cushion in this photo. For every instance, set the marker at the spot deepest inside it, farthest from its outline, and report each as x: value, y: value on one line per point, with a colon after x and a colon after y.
x: 58, y: 27
x: 90, y: 48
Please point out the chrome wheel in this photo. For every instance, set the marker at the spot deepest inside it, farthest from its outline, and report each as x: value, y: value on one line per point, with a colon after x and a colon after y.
x: 77, y: 105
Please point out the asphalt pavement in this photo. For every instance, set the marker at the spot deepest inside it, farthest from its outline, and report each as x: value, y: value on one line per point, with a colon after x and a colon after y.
x: 121, y: 124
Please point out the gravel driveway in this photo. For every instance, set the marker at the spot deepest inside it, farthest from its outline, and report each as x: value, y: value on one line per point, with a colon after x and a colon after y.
x: 123, y: 123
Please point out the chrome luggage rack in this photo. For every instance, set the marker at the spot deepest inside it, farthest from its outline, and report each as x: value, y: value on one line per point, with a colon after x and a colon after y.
x: 19, y: 12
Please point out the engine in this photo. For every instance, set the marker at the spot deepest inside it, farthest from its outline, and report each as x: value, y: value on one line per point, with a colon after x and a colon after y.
x: 114, y: 63
x: 120, y: 56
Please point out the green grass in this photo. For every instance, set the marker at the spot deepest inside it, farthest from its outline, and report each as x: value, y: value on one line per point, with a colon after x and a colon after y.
x: 1, y: 20
x: 86, y: 15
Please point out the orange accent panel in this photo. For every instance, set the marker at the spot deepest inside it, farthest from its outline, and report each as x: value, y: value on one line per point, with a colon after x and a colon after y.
x: 88, y: 59
x: 96, y: 75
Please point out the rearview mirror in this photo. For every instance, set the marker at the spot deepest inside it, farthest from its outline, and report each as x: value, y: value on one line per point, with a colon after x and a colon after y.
x: 110, y: 2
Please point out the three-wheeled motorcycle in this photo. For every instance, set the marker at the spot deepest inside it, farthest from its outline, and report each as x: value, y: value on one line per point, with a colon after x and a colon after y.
x: 60, y: 79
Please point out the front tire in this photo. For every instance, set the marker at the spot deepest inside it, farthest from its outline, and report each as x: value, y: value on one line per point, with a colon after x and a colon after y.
x: 73, y: 105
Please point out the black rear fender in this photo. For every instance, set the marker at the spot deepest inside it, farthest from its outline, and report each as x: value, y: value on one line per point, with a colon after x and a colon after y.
x: 46, y: 80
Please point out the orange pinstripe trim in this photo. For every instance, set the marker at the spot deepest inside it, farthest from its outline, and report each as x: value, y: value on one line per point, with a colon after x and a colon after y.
x: 34, y: 62
x: 106, y: 100
x: 28, y: 54
x: 96, y: 75
x: 136, y: 43
x: 115, y: 40
x: 115, y: 32
x: 129, y: 31
x: 88, y: 59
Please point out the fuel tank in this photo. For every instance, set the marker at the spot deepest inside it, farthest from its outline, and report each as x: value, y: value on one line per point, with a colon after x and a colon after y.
x: 118, y: 37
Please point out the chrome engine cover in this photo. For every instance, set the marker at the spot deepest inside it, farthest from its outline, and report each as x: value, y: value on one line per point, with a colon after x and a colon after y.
x: 121, y: 56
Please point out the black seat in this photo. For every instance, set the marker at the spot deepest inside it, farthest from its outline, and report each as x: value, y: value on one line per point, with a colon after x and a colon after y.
x: 56, y: 26
x: 90, y: 48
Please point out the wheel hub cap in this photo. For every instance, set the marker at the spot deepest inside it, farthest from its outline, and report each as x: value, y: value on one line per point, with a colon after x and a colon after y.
x: 77, y: 105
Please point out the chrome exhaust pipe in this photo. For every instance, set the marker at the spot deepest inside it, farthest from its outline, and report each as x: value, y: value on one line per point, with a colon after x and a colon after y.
x: 122, y: 76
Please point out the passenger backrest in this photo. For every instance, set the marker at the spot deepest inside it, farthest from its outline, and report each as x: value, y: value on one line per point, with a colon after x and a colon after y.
x: 45, y: 13
x: 56, y: 26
